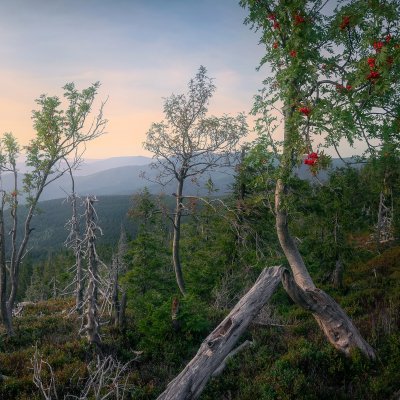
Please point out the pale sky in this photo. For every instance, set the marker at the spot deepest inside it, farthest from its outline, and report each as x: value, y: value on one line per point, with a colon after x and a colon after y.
x: 140, y: 51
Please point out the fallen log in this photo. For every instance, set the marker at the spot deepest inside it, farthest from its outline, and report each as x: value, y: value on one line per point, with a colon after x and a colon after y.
x: 190, y: 383
x: 233, y: 353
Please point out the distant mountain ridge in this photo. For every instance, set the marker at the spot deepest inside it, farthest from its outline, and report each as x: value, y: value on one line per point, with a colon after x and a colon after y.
x: 92, y: 167
x: 123, y: 176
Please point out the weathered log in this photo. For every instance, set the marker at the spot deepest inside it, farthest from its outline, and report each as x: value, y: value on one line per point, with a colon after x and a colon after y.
x: 337, y: 326
x: 233, y: 353
x: 190, y: 383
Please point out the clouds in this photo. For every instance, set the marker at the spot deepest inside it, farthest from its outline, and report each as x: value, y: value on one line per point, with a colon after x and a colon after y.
x: 141, y: 51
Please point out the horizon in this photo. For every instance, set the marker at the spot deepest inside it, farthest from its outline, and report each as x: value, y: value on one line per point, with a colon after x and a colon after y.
x: 139, y: 51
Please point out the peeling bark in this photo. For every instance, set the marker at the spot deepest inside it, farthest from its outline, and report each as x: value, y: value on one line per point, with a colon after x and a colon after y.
x: 190, y: 383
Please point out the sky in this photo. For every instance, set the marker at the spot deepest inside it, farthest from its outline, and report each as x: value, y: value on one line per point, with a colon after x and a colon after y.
x: 140, y: 50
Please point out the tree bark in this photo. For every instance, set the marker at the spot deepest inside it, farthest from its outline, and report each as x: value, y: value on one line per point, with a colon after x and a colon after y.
x: 79, y: 289
x: 92, y: 320
x: 176, y: 239
x: 289, y: 247
x: 190, y: 383
x: 336, y: 325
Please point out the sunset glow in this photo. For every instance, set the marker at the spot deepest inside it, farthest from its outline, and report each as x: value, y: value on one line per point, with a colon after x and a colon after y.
x: 140, y: 51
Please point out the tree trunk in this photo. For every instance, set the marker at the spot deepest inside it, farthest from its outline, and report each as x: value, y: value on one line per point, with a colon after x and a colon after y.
x: 122, y: 309
x: 336, y: 325
x: 176, y: 238
x: 79, y: 290
x: 17, y: 256
x: 92, y: 320
x: 190, y: 383
x: 7, y: 321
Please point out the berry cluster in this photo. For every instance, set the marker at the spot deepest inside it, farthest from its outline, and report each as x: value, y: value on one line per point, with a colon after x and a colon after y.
x: 312, y: 159
x: 305, y: 111
x: 342, y: 88
x: 345, y: 22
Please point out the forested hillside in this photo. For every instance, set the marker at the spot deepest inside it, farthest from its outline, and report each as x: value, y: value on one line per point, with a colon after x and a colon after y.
x: 224, y: 248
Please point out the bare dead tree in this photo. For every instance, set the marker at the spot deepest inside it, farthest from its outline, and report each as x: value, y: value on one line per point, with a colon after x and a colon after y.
x: 188, y: 143
x: 92, y: 327
x: 74, y: 241
x: 106, y: 378
x: 59, y: 135
x: 384, y: 226
x: 47, y: 389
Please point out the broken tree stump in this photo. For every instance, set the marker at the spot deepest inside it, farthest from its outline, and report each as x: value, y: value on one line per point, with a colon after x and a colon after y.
x: 190, y: 383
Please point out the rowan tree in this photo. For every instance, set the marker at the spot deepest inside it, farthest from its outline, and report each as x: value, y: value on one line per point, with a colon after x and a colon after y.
x: 334, y: 80
x: 189, y: 143
x: 60, y: 134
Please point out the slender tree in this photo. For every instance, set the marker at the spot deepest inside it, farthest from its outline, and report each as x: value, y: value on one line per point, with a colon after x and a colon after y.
x: 335, y: 78
x: 92, y: 327
x: 189, y: 143
x: 60, y: 134
x: 74, y: 241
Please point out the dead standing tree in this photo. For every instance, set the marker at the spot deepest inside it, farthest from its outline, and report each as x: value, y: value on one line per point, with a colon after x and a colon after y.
x: 74, y: 242
x: 59, y: 135
x: 188, y: 143
x: 92, y: 327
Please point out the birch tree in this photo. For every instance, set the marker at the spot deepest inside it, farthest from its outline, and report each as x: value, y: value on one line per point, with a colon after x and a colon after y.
x: 59, y: 134
x: 189, y: 143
